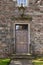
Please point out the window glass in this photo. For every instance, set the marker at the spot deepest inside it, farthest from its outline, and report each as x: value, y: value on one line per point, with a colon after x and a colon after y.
x: 21, y: 27
x: 24, y: 2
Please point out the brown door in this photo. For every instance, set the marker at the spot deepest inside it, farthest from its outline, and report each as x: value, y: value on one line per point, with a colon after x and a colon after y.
x: 21, y: 38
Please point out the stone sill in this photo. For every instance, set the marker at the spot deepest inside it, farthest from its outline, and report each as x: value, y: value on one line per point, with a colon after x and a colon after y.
x: 21, y: 56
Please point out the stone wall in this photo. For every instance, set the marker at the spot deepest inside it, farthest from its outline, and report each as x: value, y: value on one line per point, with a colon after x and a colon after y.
x: 6, y: 39
x: 7, y: 10
x: 37, y: 34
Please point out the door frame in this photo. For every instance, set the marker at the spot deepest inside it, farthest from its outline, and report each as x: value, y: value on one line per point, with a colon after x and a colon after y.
x: 28, y: 36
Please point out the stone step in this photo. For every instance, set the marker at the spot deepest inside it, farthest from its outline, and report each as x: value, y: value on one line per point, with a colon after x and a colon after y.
x: 21, y: 56
x: 20, y: 62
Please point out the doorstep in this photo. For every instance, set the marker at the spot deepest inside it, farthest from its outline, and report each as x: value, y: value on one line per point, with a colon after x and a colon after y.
x: 21, y: 56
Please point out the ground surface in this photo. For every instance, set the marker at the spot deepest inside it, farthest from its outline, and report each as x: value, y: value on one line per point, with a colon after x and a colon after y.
x: 38, y: 61
x: 4, y: 61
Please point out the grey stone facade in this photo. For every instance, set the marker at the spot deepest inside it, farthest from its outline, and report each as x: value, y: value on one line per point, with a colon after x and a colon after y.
x: 9, y: 15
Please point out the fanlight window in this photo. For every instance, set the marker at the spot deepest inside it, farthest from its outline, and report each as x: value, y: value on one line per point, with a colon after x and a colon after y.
x: 21, y: 27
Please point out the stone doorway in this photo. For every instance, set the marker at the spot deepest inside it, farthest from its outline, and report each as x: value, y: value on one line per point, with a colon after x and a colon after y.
x: 22, y: 38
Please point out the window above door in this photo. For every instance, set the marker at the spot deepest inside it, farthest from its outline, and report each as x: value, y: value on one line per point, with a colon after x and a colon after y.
x: 23, y: 2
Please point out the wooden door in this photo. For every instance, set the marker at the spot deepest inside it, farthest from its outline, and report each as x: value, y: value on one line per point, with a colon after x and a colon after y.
x: 21, y: 38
